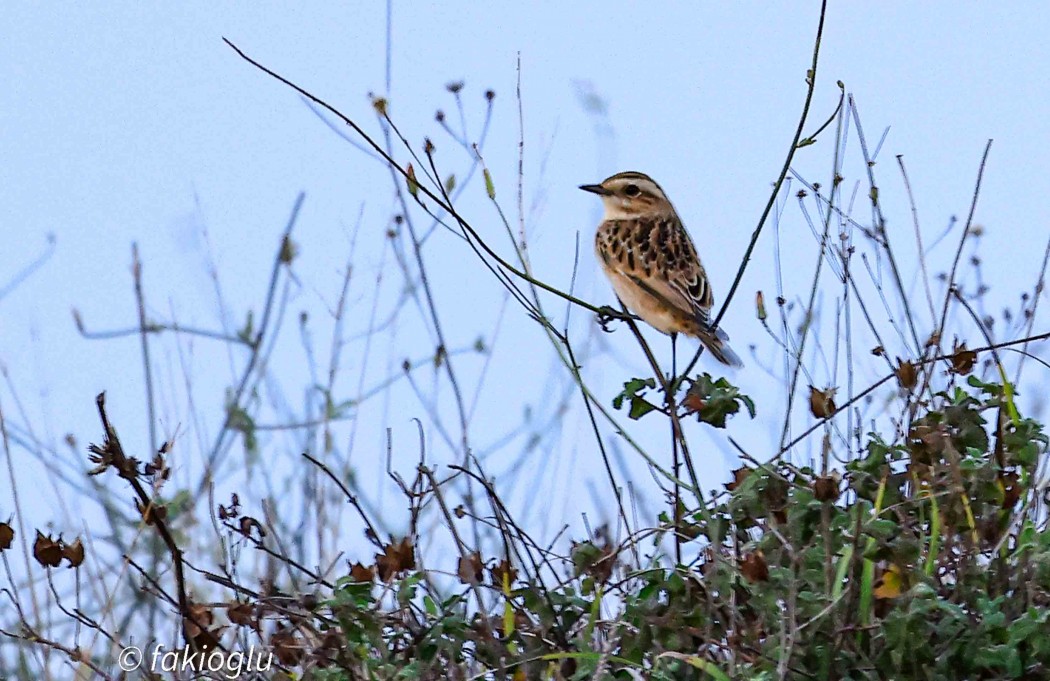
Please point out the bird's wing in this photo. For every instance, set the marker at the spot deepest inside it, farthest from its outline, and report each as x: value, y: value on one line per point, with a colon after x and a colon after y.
x: 660, y: 258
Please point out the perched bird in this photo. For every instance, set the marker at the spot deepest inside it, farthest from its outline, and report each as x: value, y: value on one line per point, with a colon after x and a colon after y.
x: 650, y: 260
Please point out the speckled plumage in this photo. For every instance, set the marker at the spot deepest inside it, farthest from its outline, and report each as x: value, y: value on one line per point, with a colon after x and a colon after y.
x: 652, y: 264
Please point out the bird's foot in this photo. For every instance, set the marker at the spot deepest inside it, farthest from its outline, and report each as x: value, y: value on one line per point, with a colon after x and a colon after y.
x: 605, y: 316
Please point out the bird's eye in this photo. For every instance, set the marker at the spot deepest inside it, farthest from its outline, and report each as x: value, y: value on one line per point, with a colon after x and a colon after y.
x: 632, y: 190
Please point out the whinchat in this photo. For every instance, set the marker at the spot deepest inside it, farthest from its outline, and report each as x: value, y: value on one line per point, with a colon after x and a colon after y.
x: 650, y: 260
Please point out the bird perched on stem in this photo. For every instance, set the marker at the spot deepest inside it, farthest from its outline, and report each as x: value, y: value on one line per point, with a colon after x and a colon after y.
x: 650, y: 260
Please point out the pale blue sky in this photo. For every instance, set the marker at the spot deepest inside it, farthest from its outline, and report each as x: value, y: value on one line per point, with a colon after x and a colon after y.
x: 134, y: 122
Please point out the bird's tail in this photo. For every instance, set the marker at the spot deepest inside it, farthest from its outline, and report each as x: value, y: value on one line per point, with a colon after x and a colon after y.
x: 717, y: 343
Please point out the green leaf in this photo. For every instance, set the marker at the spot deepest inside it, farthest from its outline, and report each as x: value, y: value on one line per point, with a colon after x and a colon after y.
x: 750, y: 404
x: 713, y: 401
x: 247, y: 332
x: 639, y: 408
x: 697, y: 662
x: 490, y: 188
x: 1003, y: 657
x: 632, y: 390
x: 413, y: 184
x: 935, y: 535
x: 238, y: 419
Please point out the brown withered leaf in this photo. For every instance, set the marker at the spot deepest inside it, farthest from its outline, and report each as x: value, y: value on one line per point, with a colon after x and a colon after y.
x: 481, y: 625
x: 331, y: 643
x: 739, y: 475
x: 47, y: 551
x: 206, y: 639
x: 497, y: 571
x: 962, y: 360
x: 200, y: 615
x: 396, y: 558
x: 7, y: 535
x: 927, y: 443
x: 74, y: 553
x: 754, y: 567
x: 692, y: 403
x: 990, y: 529
x: 907, y: 374
x: 822, y: 402
x: 243, y: 615
x: 603, y: 567
x: 1012, y: 489
x: 361, y: 573
x: 158, y: 467
x: 288, y: 647
x: 231, y: 511
x: 826, y: 487
x: 248, y: 525
x: 775, y: 498
x: 470, y: 569
x: 198, y: 621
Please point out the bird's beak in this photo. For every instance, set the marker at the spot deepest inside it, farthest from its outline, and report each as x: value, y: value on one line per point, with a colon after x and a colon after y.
x: 595, y: 189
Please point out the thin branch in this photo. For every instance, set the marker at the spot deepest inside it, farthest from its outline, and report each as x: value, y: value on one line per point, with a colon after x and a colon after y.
x: 811, y: 83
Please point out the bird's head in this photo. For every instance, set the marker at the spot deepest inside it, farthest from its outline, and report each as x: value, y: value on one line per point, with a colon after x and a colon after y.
x: 629, y: 195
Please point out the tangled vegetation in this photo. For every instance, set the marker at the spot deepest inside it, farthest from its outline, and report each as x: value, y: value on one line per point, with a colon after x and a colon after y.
x: 909, y: 541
